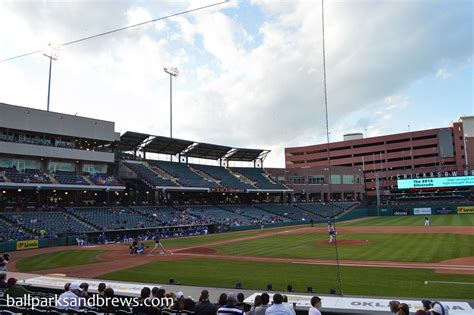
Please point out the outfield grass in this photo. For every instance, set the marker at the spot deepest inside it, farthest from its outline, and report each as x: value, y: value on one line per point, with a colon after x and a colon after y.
x: 435, y: 220
x: 391, y: 282
x: 59, y: 259
x: 384, y: 247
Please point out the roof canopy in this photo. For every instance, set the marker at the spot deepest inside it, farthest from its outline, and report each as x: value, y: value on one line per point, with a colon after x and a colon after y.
x: 130, y: 140
x: 133, y: 141
x: 245, y: 155
x: 208, y: 151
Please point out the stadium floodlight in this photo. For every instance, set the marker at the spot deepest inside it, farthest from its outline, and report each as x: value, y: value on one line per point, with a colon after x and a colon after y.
x: 52, y: 52
x: 173, y: 72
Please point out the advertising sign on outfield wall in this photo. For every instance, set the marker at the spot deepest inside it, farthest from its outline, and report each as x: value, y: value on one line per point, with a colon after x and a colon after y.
x: 30, y: 244
x: 421, y: 211
x: 399, y: 212
x: 466, y: 209
x: 443, y: 210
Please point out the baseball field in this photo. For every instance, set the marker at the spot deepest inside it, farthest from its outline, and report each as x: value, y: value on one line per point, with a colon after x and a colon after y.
x: 378, y: 256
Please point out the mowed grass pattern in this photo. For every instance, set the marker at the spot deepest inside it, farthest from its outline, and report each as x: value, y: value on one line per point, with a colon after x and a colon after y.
x: 435, y: 220
x: 59, y: 259
x: 383, y: 247
x: 207, y: 273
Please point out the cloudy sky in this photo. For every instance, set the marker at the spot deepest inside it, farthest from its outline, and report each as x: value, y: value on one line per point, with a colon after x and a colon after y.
x: 250, y: 71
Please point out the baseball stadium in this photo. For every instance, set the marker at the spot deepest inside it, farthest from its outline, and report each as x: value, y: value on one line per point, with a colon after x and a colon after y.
x: 345, y: 227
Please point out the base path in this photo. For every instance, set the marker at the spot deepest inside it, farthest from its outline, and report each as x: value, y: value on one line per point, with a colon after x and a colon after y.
x: 116, y: 257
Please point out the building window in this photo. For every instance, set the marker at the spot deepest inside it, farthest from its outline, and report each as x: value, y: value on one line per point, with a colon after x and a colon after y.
x: 336, y: 179
x: 347, y: 179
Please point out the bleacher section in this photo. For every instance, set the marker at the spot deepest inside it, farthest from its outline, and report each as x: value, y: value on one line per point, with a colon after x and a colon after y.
x: 149, y: 176
x: 69, y: 178
x: 219, y: 215
x: 27, y: 176
x: 166, y: 216
x: 225, y: 178
x: 289, y: 211
x: 257, y: 215
x: 112, y: 218
x: 52, y: 222
x: 8, y: 233
x: 326, y: 210
x: 257, y: 175
x: 184, y: 174
x: 105, y: 180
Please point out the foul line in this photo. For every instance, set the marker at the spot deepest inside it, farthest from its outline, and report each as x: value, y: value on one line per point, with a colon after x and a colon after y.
x: 449, y: 282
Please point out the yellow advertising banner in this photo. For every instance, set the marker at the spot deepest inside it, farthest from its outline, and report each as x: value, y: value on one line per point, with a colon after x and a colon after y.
x: 30, y: 244
x: 466, y: 209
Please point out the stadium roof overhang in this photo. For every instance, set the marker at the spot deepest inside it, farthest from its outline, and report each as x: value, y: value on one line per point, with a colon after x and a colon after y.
x: 130, y: 140
x: 247, y: 155
x: 135, y: 141
x: 164, y: 145
x: 208, y: 151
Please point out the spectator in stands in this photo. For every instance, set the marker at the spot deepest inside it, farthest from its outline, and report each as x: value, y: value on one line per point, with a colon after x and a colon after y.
x: 85, y: 289
x: 426, y: 308
x: 230, y: 307
x: 256, y: 303
x: 142, y: 308
x: 438, y: 309
x: 14, y: 290
x: 66, y: 286
x: 71, y: 299
x: 101, y: 289
x: 262, y: 309
x: 241, y: 304
x: 204, y: 307
x: 393, y: 307
x: 278, y: 308
x: 288, y: 305
x: 222, y: 300
x: 3, y: 280
x: 403, y: 309
x: 109, y: 307
x: 315, y: 306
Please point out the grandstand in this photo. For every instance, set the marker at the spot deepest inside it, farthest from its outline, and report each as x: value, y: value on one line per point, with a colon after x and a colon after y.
x: 260, y: 178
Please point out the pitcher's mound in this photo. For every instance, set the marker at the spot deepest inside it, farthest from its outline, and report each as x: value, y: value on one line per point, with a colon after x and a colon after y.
x: 344, y: 242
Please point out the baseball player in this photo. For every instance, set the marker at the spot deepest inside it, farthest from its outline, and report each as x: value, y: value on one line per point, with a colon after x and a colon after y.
x: 427, y: 221
x: 158, y: 245
x: 331, y: 231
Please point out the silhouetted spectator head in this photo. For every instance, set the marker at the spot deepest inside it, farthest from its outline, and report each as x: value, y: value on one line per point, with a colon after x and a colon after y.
x: 101, y: 288
x: 285, y: 298
x: 204, y: 296
x: 265, y: 298
x: 403, y: 309
x: 240, y: 297
x: 109, y: 292
x: 66, y: 286
x: 277, y: 298
x: 393, y: 306
x: 145, y: 293
x: 257, y: 301
x: 222, y: 299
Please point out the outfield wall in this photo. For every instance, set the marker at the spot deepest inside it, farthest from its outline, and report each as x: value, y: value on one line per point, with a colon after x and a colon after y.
x: 428, y: 209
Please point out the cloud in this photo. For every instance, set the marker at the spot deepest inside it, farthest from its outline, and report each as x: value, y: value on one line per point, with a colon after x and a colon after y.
x: 268, y: 95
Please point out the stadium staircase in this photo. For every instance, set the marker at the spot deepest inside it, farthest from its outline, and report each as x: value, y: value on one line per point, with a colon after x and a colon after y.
x: 81, y: 221
x: 162, y: 173
x: 206, y: 176
x: 273, y: 212
x: 243, y: 178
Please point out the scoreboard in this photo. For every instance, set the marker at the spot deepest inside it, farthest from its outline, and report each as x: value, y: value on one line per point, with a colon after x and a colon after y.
x: 435, y: 182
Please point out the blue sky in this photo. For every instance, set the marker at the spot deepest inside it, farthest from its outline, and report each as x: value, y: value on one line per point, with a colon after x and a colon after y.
x: 250, y: 71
